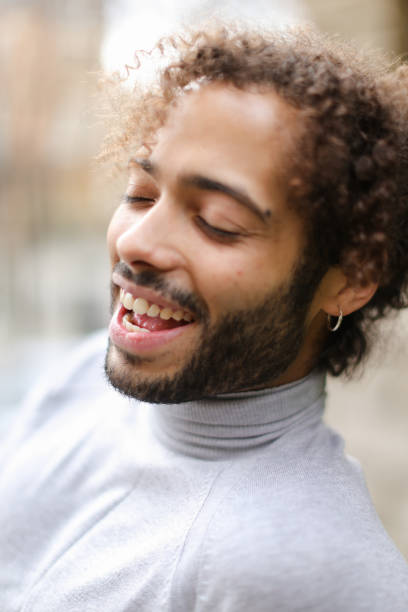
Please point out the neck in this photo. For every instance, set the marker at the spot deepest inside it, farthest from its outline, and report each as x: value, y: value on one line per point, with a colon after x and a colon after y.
x: 233, y: 423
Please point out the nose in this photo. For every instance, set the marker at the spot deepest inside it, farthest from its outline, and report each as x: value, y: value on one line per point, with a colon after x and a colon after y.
x: 152, y: 238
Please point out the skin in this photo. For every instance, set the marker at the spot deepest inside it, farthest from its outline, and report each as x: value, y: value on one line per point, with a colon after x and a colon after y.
x: 240, y: 139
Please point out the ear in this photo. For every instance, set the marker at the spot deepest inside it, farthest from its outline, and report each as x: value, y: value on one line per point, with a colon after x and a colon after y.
x: 335, y: 293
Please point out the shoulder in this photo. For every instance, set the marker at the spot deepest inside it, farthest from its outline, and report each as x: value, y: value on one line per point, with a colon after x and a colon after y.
x: 303, y: 538
x: 79, y: 370
x: 70, y: 430
x: 315, y: 576
x: 74, y: 378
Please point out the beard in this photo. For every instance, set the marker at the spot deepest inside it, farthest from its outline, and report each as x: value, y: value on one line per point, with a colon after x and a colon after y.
x: 244, y: 350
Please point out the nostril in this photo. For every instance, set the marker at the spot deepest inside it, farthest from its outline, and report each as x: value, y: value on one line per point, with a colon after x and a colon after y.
x: 139, y: 263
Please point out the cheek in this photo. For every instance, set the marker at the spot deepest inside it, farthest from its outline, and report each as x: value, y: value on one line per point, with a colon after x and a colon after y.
x: 111, y: 237
x: 116, y: 228
x: 234, y: 285
x: 241, y: 280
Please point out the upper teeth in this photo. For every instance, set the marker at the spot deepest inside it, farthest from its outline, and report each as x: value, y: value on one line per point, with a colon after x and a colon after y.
x: 141, y: 306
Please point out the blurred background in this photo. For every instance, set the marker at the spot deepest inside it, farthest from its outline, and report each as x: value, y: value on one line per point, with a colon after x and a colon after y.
x: 55, y: 203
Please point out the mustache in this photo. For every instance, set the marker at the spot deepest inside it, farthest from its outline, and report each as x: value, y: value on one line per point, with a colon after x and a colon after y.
x: 153, y: 279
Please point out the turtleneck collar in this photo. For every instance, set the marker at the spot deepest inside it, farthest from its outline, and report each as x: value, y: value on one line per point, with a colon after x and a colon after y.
x: 224, y: 425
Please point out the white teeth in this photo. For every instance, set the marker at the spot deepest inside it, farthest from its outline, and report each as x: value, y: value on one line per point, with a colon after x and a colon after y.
x: 130, y: 327
x: 153, y: 311
x: 128, y: 301
x: 140, y: 306
x: 166, y: 314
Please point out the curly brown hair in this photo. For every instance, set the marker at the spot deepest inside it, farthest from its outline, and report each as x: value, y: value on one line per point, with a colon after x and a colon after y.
x: 348, y: 176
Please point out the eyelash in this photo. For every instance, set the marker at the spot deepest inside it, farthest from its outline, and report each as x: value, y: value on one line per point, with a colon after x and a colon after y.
x: 135, y: 199
x: 214, y: 233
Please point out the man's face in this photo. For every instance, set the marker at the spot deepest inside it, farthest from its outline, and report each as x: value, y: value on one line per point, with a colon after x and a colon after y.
x: 204, y: 236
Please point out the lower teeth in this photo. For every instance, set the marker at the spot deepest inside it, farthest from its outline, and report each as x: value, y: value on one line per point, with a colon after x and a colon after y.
x: 131, y: 327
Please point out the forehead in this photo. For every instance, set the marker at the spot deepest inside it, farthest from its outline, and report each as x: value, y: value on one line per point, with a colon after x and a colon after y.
x: 245, y: 136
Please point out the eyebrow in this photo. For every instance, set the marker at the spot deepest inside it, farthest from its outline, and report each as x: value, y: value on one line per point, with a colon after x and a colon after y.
x: 143, y: 163
x: 207, y: 184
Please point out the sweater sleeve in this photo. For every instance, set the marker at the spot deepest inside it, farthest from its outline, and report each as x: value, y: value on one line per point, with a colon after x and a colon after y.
x: 297, y: 542
x: 296, y: 582
x: 70, y: 374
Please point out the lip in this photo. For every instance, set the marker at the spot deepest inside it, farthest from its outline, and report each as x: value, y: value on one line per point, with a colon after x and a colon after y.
x: 139, y: 342
x: 148, y: 294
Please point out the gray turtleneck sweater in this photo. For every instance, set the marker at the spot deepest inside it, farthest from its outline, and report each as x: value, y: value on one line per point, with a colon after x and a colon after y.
x: 242, y: 502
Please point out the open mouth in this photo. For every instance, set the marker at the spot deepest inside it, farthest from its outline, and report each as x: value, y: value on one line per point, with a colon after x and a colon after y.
x: 139, y: 315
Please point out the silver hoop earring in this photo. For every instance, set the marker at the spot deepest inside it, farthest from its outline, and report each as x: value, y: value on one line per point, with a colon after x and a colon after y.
x: 338, y: 322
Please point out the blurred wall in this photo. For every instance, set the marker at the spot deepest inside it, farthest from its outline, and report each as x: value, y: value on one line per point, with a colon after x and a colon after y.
x: 52, y: 215
x: 379, y: 24
x: 46, y: 184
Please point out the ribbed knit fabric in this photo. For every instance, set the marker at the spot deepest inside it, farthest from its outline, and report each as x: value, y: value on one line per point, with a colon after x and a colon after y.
x: 242, y: 502
x: 227, y: 425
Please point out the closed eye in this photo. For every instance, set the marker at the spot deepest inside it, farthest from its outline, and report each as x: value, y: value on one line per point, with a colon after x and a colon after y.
x: 217, y: 233
x: 134, y: 199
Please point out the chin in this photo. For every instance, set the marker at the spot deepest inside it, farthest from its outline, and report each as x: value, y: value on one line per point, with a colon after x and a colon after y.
x: 127, y: 374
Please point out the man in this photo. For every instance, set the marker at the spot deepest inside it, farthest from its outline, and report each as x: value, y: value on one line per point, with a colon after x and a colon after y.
x: 262, y: 230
